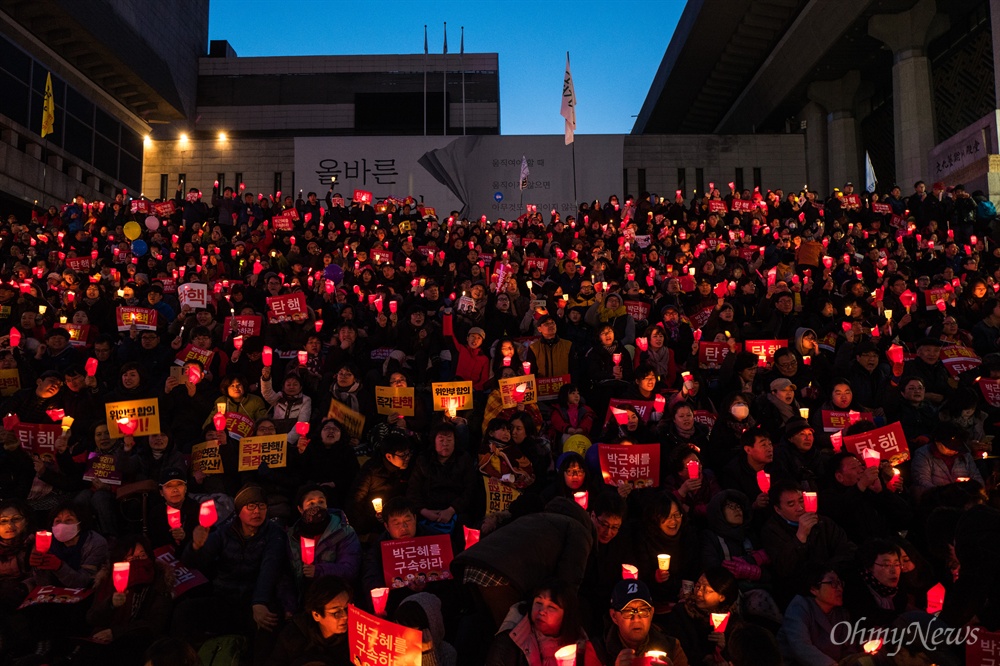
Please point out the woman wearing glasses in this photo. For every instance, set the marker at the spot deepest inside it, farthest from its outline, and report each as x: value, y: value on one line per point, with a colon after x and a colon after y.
x: 15, y: 573
x: 874, y: 593
x: 805, y: 634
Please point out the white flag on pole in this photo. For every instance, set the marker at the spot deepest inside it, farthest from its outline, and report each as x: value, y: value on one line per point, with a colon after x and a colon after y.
x: 524, y: 173
x: 870, y: 180
x: 568, y: 110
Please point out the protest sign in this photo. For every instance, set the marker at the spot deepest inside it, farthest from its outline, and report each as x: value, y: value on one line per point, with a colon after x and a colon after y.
x: 836, y: 420
x: 144, y: 319
x: 270, y: 449
x: 549, y: 387
x: 192, y: 353
x: 353, y: 421
x: 451, y: 396
x: 239, y: 425
x: 394, y: 400
x: 499, y: 495
x: 143, y: 414
x: 889, y: 441
x: 764, y: 347
x: 287, y: 307
x: 48, y: 594
x: 644, y: 408
x: 101, y: 467
x: 38, y: 438
x: 183, y: 577
x: 959, y: 358
x: 78, y: 334
x: 712, y: 354
x: 377, y: 642
x: 205, y: 458
x: 635, y: 464
x: 245, y: 325
x: 990, y: 388
x: 705, y: 417
x: 10, y: 381
x: 403, y: 560
x: 193, y: 294
x: 638, y: 309
x: 518, y: 390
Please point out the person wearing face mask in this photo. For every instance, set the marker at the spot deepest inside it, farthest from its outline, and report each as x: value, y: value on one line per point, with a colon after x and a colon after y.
x: 733, y: 420
x: 124, y: 624
x: 337, y: 548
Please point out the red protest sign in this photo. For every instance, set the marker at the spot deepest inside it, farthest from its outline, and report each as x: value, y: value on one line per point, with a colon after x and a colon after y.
x: 184, y: 578
x: 932, y: 296
x: 101, y: 467
x: 635, y: 464
x: 982, y: 647
x: 141, y: 206
x: 287, y: 307
x: 717, y: 206
x: 705, y: 417
x: 765, y: 347
x: 644, y: 408
x: 750, y: 253
x: 957, y: 359
x: 712, y: 354
x: 143, y: 318
x: 38, y: 438
x: 192, y: 353
x: 540, y: 263
x: 549, y: 387
x: 362, y: 196
x: 990, y: 388
x: 381, y: 256
x: 377, y: 642
x: 404, y: 560
x: 881, y: 208
x: 744, y: 205
x: 283, y: 222
x: 78, y: 334
x: 239, y: 425
x: 245, y: 325
x: 638, y: 309
x: 852, y: 201
x: 169, y: 285
x: 889, y: 441
x: 78, y: 264
x: 834, y: 420
x: 165, y: 208
x: 193, y: 295
x: 48, y: 594
x: 701, y: 317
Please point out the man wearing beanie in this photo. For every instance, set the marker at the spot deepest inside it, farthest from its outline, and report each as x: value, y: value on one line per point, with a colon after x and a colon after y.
x: 243, y: 556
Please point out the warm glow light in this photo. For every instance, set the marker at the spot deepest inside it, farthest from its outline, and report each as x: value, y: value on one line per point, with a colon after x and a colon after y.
x: 146, y: 141
x: 222, y: 136
x: 184, y: 137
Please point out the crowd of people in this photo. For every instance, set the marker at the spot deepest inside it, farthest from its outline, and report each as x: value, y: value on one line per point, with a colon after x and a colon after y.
x: 743, y: 342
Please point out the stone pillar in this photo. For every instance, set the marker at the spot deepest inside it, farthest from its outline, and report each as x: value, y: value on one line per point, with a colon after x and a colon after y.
x: 837, y: 97
x: 908, y: 34
x: 817, y: 171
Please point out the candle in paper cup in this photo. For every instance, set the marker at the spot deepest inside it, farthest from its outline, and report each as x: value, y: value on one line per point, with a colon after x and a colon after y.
x: 630, y: 572
x: 694, y: 469
x: 219, y: 421
x: 267, y: 356
x: 207, y: 515
x: 380, y: 597
x: 962, y: 479
x: 763, y: 481
x: 872, y: 646
x: 377, y: 504
x: 471, y: 537
x: 810, y: 501
x: 804, y: 412
x: 872, y: 458
x: 303, y: 357
x: 67, y: 423
x: 663, y: 562
x: 566, y: 656
x: 91, y: 367
x: 526, y: 366
x: 935, y: 599
x: 581, y: 498
x: 302, y: 428
x: 308, y: 547
x: 719, y: 622
x: 43, y: 541
x: 173, y: 518
x: 807, y: 360
x: 617, y: 358
x: 656, y: 657
x: 119, y: 576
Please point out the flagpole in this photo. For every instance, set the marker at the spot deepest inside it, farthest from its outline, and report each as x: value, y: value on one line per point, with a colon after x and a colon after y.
x: 462, y: 65
x: 444, y: 86
x: 576, y: 200
x: 425, y: 79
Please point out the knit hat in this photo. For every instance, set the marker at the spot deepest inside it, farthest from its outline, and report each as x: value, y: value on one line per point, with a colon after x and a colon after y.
x: 251, y: 493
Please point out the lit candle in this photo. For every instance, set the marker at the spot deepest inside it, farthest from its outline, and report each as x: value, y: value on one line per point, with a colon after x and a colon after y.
x: 810, y: 501
x: 630, y: 572
x: 173, y: 518
x: 380, y: 597
x: 377, y: 504
x: 663, y: 562
x: 581, y: 498
x: 43, y: 541
x: 566, y: 656
x: 119, y: 576
x: 804, y: 412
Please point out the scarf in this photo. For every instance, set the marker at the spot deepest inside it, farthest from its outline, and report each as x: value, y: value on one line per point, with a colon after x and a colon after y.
x: 685, y: 435
x: 606, y: 313
x: 787, y: 412
x: 659, y: 359
x: 883, y: 593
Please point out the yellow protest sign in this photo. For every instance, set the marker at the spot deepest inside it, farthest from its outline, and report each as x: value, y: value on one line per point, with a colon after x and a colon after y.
x: 498, y: 495
x: 270, y: 449
x: 451, y: 396
x: 205, y: 458
x: 143, y: 415
x: 510, y: 391
x: 353, y: 421
x: 10, y: 382
x: 394, y: 400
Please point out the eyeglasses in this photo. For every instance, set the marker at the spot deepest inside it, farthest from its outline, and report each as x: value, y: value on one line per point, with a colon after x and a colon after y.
x: 674, y: 517
x: 836, y: 584
x: 337, y: 613
x: 404, y: 454
x: 16, y: 520
x: 889, y: 565
x: 605, y: 525
x: 257, y: 506
x: 632, y: 613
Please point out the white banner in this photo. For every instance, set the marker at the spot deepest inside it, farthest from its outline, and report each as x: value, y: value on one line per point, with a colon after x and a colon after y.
x: 478, y: 175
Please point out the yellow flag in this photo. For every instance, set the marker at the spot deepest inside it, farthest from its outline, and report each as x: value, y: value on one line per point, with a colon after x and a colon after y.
x: 48, y: 108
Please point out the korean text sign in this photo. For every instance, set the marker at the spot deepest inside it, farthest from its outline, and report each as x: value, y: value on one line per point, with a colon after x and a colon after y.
x: 405, y: 559
x: 270, y: 449
x: 636, y: 464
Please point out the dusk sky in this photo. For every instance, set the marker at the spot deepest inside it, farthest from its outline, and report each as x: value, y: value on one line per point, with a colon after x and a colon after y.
x: 615, y: 47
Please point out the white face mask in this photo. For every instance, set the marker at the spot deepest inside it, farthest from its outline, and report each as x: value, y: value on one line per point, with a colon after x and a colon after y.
x: 64, y: 532
x: 739, y: 411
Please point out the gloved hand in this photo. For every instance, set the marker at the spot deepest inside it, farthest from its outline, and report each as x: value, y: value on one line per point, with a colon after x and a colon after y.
x: 760, y: 557
x: 44, y: 561
x: 742, y: 569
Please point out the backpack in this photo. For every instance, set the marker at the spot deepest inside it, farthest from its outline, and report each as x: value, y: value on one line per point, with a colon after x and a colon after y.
x: 986, y: 211
x: 223, y: 650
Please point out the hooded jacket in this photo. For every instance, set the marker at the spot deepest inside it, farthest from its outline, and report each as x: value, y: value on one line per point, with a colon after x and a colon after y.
x: 338, y: 550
